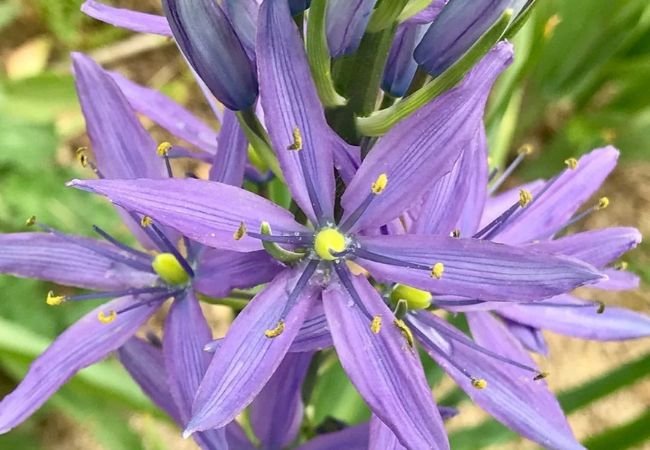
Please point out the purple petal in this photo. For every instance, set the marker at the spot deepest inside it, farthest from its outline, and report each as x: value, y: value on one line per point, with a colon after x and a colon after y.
x: 351, y: 438
x: 221, y: 271
x: 382, y: 437
x: 84, y: 343
x: 229, y: 162
x: 511, y: 395
x: 347, y: 158
x: 276, y: 413
x: 205, y: 211
x: 618, y: 280
x: 581, y: 321
x: 596, y: 247
x: 458, y: 26
x: 346, y: 21
x: 531, y: 338
x: 424, y: 147
x: 290, y: 102
x: 558, y: 204
x: 384, y: 369
x: 146, y: 365
x: 401, y: 67
x: 428, y: 14
x: 476, y: 268
x: 247, y: 358
x: 459, y: 194
x: 314, y: 334
x: 70, y: 261
x: 125, y: 18
x: 209, y: 43
x: 497, y: 204
x: 168, y: 114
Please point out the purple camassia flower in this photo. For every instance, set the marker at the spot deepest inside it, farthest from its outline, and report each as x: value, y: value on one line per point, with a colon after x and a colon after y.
x: 140, y: 282
x: 374, y: 348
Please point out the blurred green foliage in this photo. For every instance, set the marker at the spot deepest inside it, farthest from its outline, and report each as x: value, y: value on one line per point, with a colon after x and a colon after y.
x: 580, y: 80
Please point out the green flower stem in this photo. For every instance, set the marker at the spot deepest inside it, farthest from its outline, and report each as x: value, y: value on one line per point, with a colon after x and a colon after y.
x: 259, y: 140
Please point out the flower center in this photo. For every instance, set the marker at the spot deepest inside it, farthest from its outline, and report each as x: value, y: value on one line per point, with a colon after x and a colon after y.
x: 169, y: 269
x: 415, y: 298
x: 329, y: 240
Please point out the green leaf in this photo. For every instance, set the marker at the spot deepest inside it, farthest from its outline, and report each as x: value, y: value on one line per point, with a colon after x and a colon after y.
x: 633, y: 433
x: 41, y: 98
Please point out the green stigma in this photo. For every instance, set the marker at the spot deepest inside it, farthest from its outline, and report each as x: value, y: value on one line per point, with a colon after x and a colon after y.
x: 169, y: 269
x: 415, y: 298
x: 329, y: 240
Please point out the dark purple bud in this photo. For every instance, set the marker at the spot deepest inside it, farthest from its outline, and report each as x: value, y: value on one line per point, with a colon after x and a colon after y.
x: 298, y: 6
x: 401, y: 65
x: 210, y: 44
x: 346, y: 22
x: 243, y: 17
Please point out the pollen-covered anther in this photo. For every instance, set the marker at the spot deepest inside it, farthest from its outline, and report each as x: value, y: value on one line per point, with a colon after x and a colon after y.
x: 379, y: 184
x: 541, y: 376
x: 571, y: 163
x: 375, y: 325
x: 550, y: 25
x: 275, y: 332
x: 82, y: 156
x: 107, y: 318
x: 603, y: 202
x: 525, y: 197
x: 437, y: 270
x: 297, y: 140
x: 146, y: 221
x: 406, y: 332
x: 240, y: 232
x: 31, y: 221
x: 54, y: 300
x: 163, y: 149
x: 329, y: 241
x: 479, y: 383
x: 601, y: 308
x: 455, y: 233
x: 621, y: 265
x: 526, y: 149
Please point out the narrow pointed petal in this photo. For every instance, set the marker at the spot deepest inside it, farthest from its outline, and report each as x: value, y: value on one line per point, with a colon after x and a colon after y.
x: 401, y: 67
x: 70, y: 261
x: 596, y: 247
x: 455, y: 30
x: 346, y: 22
x: 186, y: 333
x: 146, y: 365
x: 84, y: 343
x: 243, y: 17
x: 382, y: 437
x: 531, y: 338
x: 229, y: 163
x: 384, y: 369
x: 290, y: 102
x: 221, y: 271
x: 314, y: 334
x: 168, y: 114
x: 125, y: 18
x: 428, y: 14
x: 478, y: 269
x: 351, y: 438
x: 614, y: 324
x: 276, y: 413
x: 211, y: 46
x: 207, y: 212
x: 248, y: 358
x: 457, y: 199
x: 618, y: 280
x: 559, y: 203
x: 511, y: 395
x: 424, y: 147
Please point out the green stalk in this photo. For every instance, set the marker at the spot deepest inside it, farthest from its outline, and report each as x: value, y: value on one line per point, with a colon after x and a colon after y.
x: 259, y: 140
x: 386, y: 14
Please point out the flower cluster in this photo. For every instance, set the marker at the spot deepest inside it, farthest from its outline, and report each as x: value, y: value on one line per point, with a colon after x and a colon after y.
x: 393, y: 218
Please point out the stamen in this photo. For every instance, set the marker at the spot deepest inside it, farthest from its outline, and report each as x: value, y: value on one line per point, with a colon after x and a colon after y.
x: 297, y: 140
x: 346, y: 281
x: 275, y: 332
x: 479, y: 383
x: 371, y: 256
x: 120, y: 245
x: 455, y: 233
x: 601, y: 307
x: 491, y: 229
x: 107, y: 318
x: 525, y: 197
x: 571, y: 163
x: 297, y: 145
x: 406, y: 332
x: 603, y: 203
x: 114, y: 294
x: 54, y: 300
x: 150, y: 301
x: 380, y: 184
x: 621, y: 265
x: 524, y: 151
x: 541, y: 376
x: 437, y: 270
x: 146, y: 221
x: 31, y: 221
x: 163, y: 151
x: 375, y: 325
x: 240, y: 232
x: 376, y: 188
x: 84, y: 161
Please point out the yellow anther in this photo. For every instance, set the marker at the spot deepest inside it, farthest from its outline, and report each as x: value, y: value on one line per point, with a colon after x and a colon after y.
x: 375, y: 325
x: 329, y: 240
x: 601, y: 308
x: 106, y: 318
x: 275, y: 332
x: 380, y: 184
x: 608, y: 135
x: 437, y: 270
x: 406, y: 332
x: 489, y: 161
x: 54, y: 300
x: 414, y: 298
x: 479, y: 383
x: 297, y: 140
x: 550, y: 25
x: 526, y: 149
x: 240, y: 232
x: 541, y: 376
x: 146, y: 221
x: 163, y: 149
x: 82, y: 156
x: 525, y: 197
x: 455, y: 233
x: 169, y: 269
x: 621, y: 265
x: 31, y: 221
x: 603, y: 202
x: 571, y: 163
